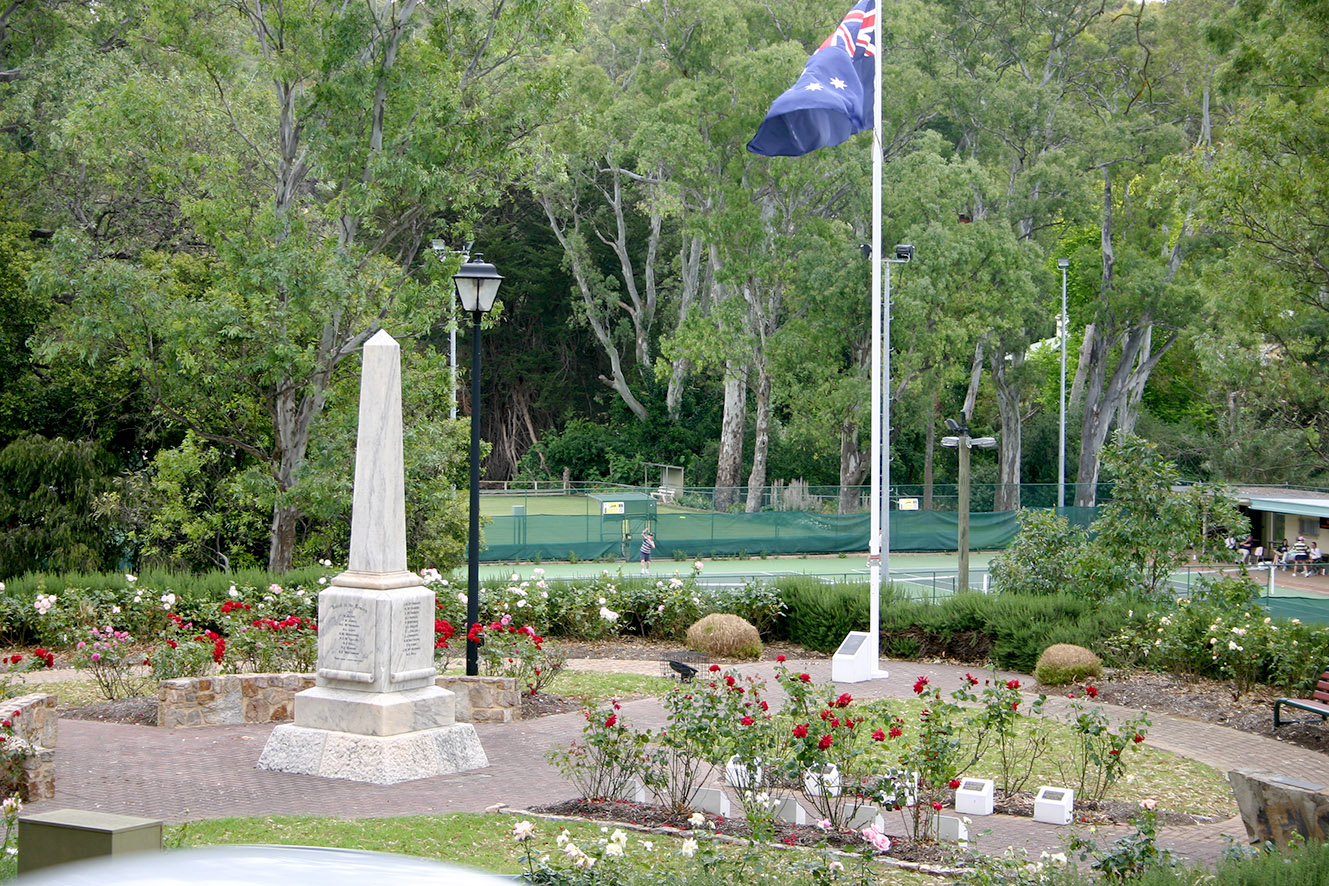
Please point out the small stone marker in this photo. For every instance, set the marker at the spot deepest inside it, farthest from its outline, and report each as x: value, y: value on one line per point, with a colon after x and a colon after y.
x: 950, y: 829
x: 711, y: 800
x: 974, y: 796
x: 1054, y: 805
x: 1280, y: 809
x: 867, y: 815
x: 789, y: 809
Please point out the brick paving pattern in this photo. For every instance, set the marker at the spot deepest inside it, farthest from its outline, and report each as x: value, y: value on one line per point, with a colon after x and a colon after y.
x: 181, y: 775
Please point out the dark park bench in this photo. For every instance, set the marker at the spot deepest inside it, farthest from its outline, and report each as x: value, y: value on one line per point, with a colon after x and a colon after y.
x: 1318, y: 703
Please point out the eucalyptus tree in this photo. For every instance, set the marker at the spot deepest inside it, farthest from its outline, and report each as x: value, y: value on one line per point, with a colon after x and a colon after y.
x: 1266, y: 182
x: 1145, y: 294
x: 242, y: 205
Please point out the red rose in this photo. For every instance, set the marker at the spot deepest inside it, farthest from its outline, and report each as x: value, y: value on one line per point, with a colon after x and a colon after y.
x: 779, y: 658
x: 1091, y: 691
x: 801, y: 730
x: 1114, y: 752
x: 714, y: 668
x: 1012, y: 684
x: 764, y: 705
x: 878, y: 736
x: 973, y: 681
x: 896, y: 731
x: 8, y: 724
x: 826, y: 714
x: 610, y: 721
x: 826, y: 742
x: 805, y: 678
x: 747, y: 721
x: 1138, y: 738
x: 936, y: 805
x: 729, y: 679
x: 954, y: 783
x: 1015, y: 705
x: 919, y: 684
x: 844, y: 700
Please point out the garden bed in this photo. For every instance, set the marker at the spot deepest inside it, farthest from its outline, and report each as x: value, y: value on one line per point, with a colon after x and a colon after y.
x: 644, y: 815
x: 1209, y: 701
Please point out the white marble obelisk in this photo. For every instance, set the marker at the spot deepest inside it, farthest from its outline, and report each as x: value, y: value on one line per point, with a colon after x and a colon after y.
x: 375, y: 713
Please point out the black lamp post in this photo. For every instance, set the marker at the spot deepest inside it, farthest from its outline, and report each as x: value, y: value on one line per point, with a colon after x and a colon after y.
x: 477, y: 285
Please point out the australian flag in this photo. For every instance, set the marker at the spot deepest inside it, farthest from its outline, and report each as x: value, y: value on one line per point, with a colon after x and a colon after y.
x: 832, y: 98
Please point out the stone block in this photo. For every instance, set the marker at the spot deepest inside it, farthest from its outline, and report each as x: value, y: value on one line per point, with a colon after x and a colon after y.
x: 373, y: 759
x: 790, y: 810
x: 1280, y: 808
x: 374, y: 713
x: 711, y: 800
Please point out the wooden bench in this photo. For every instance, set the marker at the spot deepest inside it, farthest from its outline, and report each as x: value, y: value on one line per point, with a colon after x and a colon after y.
x: 1318, y: 703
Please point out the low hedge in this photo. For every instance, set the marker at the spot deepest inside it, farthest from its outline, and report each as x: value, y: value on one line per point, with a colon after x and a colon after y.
x: 1010, y: 629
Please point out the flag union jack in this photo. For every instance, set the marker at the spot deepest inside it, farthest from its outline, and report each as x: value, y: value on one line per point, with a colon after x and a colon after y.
x: 832, y: 99
x: 856, y: 33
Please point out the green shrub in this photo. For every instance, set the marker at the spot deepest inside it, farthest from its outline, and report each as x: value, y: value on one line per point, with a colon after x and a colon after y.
x: 818, y: 615
x: 725, y: 636
x: 1063, y: 663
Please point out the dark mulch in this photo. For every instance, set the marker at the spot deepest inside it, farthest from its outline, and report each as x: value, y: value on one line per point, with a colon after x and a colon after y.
x: 645, y: 815
x: 1209, y: 701
x: 1095, y: 811
x: 134, y: 711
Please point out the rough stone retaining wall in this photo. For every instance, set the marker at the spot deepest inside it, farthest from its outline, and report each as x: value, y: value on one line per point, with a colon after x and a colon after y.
x: 484, y: 699
x: 35, y: 724
x: 236, y: 699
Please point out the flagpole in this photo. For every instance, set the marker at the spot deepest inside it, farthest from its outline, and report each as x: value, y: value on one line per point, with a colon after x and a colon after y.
x: 879, y: 545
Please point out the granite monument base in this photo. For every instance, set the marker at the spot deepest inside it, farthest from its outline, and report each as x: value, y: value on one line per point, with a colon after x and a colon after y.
x: 375, y: 759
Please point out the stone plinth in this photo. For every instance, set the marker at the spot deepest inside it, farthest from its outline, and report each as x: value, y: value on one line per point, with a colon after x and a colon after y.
x: 1280, y: 808
x: 371, y: 758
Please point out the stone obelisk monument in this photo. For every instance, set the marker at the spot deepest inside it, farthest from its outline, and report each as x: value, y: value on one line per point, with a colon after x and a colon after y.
x: 375, y: 713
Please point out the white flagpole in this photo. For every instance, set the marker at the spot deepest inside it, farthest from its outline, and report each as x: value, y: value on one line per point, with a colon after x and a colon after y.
x: 879, y: 547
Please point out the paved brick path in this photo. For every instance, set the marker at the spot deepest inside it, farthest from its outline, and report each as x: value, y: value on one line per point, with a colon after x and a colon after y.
x: 190, y: 774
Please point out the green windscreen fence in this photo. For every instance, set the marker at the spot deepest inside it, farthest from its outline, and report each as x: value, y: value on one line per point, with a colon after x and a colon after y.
x: 703, y: 534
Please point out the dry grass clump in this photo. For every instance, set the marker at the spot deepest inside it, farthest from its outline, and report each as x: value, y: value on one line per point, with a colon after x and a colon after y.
x: 725, y: 636
x: 1064, y: 663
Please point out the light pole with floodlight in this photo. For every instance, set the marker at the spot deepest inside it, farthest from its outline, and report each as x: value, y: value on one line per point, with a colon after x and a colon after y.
x: 1062, y: 263
x: 962, y: 442
x: 477, y: 285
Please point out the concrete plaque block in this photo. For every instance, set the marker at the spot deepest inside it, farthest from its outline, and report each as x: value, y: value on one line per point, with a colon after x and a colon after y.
x: 790, y: 810
x: 1054, y: 805
x: 975, y: 796
x: 712, y: 800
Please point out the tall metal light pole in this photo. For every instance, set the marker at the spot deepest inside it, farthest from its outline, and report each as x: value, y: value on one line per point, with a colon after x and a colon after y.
x: 963, y: 443
x: 477, y: 285
x: 441, y: 250
x: 1062, y: 263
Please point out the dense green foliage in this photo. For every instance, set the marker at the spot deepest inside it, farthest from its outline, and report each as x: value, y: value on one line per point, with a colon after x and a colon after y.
x: 201, y: 226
